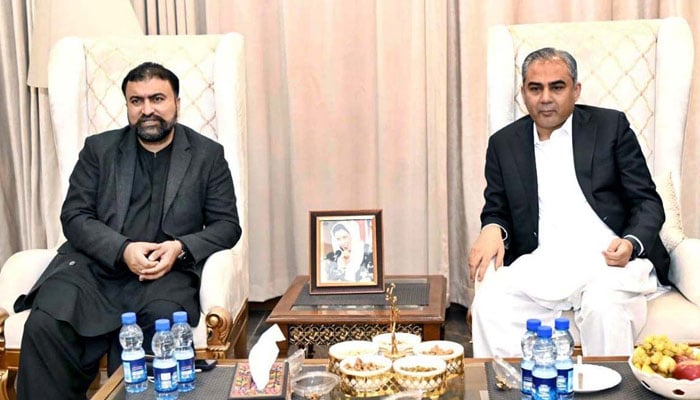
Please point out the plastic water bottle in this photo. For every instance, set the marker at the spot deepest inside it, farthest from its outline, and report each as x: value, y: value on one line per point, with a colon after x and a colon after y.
x: 164, y: 364
x: 526, y: 343
x: 133, y: 356
x: 544, y: 373
x: 564, y: 347
x: 184, y: 352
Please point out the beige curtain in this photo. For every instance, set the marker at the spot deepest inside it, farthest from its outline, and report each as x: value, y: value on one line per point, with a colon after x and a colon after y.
x: 27, y: 155
x: 346, y: 110
x: 352, y: 105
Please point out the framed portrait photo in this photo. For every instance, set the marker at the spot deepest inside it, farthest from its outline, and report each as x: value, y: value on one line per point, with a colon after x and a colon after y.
x: 346, y: 252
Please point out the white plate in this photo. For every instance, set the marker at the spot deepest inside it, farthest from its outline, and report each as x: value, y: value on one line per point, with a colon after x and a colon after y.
x: 595, y: 378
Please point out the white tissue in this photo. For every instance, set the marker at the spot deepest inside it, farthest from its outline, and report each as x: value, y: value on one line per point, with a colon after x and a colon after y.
x: 263, y: 355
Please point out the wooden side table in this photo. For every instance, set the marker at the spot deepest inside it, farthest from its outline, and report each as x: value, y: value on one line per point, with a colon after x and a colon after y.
x: 330, y: 319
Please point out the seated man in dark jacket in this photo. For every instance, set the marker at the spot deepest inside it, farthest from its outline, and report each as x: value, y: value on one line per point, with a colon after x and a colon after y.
x: 147, y: 204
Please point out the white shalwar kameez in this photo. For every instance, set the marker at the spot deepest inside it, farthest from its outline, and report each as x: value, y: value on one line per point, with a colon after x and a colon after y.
x: 566, y: 271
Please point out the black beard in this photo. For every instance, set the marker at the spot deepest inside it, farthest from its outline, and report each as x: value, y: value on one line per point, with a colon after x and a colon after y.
x: 154, y: 134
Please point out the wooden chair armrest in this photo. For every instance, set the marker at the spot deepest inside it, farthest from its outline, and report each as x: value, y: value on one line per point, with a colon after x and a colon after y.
x: 219, y: 324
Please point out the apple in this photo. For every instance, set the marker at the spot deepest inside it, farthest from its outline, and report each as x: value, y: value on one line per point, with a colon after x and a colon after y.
x: 687, y: 369
x: 682, y: 357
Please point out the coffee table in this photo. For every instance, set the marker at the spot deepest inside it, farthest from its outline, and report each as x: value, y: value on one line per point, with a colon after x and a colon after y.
x: 473, y: 384
x: 308, y: 320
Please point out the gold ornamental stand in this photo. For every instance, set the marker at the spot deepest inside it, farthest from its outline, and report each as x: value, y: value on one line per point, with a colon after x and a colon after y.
x: 393, y: 318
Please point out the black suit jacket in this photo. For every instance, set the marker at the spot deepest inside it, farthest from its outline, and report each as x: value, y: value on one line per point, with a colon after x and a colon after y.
x: 610, y: 169
x: 199, y: 202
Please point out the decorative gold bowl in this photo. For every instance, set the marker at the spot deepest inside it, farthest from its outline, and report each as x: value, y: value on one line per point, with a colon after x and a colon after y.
x: 371, y: 382
x: 404, y: 342
x: 451, y: 352
x: 425, y: 373
x: 351, y: 348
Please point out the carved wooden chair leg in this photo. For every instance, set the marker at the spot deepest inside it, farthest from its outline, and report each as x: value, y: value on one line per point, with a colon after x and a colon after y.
x: 7, y: 384
x: 239, y: 333
x: 240, y: 348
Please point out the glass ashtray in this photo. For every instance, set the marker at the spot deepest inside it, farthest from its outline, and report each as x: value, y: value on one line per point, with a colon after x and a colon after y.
x: 314, y: 385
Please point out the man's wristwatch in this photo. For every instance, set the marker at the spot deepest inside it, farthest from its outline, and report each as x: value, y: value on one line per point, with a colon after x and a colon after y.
x: 635, y: 248
x: 184, y: 254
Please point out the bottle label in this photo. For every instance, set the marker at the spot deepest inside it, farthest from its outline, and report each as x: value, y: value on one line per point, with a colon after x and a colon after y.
x: 526, y: 379
x: 185, y: 370
x: 134, y: 370
x: 565, y: 380
x: 544, y: 388
x: 165, y: 379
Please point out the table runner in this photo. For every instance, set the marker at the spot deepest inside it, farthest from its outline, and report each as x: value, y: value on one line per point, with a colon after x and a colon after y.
x: 210, y: 385
x: 629, y: 388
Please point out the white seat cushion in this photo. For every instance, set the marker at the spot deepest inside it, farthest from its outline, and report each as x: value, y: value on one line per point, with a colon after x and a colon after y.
x: 671, y: 314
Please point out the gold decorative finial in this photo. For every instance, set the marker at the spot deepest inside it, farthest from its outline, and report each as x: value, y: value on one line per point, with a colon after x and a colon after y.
x: 393, y: 317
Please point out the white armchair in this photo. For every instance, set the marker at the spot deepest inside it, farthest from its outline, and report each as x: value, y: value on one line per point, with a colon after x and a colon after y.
x: 641, y: 67
x: 85, y: 98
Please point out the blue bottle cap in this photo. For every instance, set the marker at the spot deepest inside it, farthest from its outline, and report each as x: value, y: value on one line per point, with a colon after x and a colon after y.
x: 162, y: 324
x: 543, y: 331
x: 179, y: 316
x: 128, y: 318
x: 561, y: 324
x: 533, y: 324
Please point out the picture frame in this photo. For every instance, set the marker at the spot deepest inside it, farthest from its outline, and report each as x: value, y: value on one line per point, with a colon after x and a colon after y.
x: 346, y: 252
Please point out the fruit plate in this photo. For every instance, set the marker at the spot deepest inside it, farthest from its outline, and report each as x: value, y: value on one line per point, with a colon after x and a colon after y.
x: 669, y: 388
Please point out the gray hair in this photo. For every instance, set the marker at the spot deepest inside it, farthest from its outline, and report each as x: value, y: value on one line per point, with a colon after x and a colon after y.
x: 550, y: 53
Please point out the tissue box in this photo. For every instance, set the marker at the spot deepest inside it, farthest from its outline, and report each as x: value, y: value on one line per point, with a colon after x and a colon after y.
x: 243, y: 386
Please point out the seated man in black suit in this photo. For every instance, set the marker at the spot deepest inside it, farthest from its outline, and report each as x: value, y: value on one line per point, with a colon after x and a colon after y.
x: 147, y: 204
x: 571, y: 209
